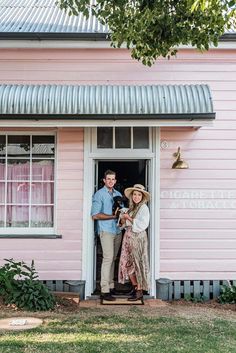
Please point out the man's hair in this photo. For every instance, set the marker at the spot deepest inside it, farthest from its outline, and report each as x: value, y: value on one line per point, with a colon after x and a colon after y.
x: 109, y: 172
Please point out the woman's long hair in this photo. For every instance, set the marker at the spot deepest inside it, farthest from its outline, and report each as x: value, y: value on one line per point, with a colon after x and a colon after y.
x: 133, y: 207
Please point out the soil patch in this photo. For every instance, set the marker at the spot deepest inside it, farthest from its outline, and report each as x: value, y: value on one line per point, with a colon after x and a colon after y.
x: 209, y: 310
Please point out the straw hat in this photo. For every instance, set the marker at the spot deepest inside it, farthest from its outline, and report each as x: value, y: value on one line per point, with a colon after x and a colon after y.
x: 137, y: 187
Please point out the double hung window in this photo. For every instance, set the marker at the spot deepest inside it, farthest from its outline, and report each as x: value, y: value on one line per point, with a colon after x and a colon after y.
x: 26, y: 182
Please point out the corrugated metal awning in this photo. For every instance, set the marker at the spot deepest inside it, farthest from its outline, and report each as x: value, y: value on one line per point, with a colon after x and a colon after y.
x: 21, y: 19
x: 106, y: 102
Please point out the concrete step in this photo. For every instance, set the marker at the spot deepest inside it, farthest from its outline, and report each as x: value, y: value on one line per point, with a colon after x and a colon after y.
x: 122, y: 301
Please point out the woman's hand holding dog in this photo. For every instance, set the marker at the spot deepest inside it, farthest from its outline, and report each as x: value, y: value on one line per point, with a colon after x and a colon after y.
x: 127, y: 217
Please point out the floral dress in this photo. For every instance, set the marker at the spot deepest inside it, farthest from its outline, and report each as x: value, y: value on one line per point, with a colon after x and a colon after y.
x: 134, y: 252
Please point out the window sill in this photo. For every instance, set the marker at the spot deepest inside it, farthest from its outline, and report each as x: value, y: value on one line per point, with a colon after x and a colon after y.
x: 31, y: 236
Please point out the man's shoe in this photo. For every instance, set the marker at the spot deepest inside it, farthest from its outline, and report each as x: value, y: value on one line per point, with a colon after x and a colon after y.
x: 108, y: 297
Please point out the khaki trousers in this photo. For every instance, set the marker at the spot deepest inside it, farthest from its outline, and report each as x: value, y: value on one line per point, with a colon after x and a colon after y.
x: 110, y: 246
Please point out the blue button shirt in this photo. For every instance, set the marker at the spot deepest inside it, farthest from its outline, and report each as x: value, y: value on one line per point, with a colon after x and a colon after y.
x: 102, y: 203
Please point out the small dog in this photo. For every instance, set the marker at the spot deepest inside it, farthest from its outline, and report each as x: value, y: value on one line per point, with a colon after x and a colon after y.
x: 118, y: 203
x: 119, y: 209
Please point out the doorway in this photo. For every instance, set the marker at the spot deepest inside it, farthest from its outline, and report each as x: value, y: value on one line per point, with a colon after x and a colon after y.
x: 128, y: 173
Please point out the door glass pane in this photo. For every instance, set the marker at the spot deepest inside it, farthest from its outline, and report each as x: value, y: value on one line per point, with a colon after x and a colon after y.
x: 41, y: 216
x: 18, y: 146
x: 123, y: 137
x: 18, y: 169
x: 43, y: 146
x: 104, y: 137
x: 17, y: 216
x: 141, y: 137
x: 2, y: 145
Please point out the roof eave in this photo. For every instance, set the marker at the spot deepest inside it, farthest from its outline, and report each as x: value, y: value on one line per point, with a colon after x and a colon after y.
x: 112, y: 117
x: 82, y: 36
x: 228, y: 37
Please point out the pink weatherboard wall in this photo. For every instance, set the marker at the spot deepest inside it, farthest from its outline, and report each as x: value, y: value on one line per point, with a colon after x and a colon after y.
x: 58, y: 259
x: 198, y: 206
x: 198, y: 210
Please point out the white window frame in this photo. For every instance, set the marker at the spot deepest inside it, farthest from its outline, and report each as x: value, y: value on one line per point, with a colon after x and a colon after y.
x: 97, y: 150
x: 34, y: 230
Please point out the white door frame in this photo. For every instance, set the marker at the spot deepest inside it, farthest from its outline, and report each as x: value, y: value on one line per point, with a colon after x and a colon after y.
x: 88, y: 187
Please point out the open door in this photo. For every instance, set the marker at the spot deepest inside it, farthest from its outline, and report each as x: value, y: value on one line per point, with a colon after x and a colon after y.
x: 128, y: 173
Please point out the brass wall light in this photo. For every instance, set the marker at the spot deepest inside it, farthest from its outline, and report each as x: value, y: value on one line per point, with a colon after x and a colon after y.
x: 179, y: 163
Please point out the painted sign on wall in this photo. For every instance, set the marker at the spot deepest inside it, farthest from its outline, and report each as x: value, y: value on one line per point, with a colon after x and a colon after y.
x: 200, y: 199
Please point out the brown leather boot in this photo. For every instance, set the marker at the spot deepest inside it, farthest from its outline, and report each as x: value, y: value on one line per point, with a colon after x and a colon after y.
x: 138, y: 296
x: 132, y: 293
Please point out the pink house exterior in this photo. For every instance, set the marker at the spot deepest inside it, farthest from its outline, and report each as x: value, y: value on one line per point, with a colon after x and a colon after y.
x: 193, y: 229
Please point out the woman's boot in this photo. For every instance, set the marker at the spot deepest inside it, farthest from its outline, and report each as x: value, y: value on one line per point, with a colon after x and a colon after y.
x: 132, y: 293
x: 138, y: 296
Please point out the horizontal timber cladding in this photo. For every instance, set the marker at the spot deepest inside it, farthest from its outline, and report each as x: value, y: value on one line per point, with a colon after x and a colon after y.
x: 198, y: 290
x: 66, y: 286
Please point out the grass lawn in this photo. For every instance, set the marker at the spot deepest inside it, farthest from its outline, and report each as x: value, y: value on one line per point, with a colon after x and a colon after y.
x: 135, y: 329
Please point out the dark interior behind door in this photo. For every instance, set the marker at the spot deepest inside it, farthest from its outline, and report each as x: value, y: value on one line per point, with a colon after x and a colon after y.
x: 128, y: 173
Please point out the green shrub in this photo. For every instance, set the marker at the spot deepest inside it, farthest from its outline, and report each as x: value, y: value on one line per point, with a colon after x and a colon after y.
x: 19, y: 285
x: 228, y: 294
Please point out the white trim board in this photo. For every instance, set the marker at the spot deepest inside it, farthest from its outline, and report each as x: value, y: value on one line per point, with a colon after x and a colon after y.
x: 94, y: 123
x: 88, y: 231
x: 90, y: 44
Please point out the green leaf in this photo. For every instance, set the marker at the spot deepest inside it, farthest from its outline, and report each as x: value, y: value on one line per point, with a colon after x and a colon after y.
x: 152, y: 28
x: 26, y: 292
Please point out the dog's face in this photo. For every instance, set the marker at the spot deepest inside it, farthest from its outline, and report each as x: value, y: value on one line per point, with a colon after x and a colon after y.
x: 118, y: 203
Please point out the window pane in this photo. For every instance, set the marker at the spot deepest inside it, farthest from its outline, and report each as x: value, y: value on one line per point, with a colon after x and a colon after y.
x: 2, y: 169
x: 2, y: 193
x: 2, y: 145
x: 104, y: 137
x: 2, y: 216
x: 42, y: 193
x: 123, y: 137
x: 18, y: 193
x: 42, y: 170
x: 43, y: 146
x: 141, y: 137
x: 18, y: 169
x: 18, y: 146
x: 17, y: 216
x: 41, y: 216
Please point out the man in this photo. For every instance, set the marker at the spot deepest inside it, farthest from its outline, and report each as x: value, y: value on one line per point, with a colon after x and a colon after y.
x: 110, y: 234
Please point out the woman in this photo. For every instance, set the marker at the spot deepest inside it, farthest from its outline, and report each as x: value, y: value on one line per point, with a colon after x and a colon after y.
x: 134, y: 264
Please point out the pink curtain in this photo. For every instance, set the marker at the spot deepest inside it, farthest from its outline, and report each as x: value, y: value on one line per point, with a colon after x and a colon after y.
x: 19, y: 171
x: 43, y: 170
x: 18, y: 194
